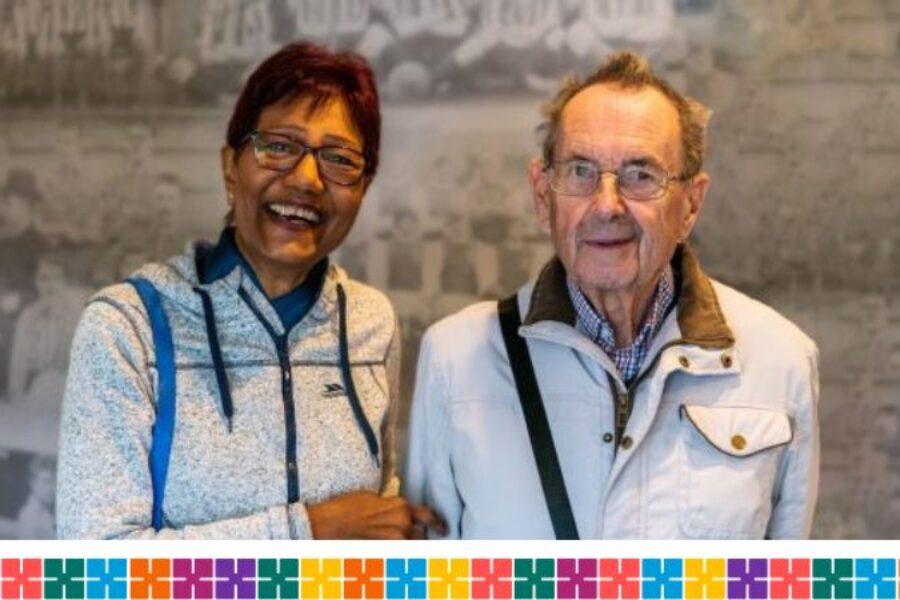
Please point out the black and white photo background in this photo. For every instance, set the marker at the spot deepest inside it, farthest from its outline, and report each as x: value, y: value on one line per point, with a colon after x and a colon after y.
x: 112, y: 113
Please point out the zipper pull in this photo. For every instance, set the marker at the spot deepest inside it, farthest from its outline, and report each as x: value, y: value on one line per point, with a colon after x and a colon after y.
x: 621, y: 411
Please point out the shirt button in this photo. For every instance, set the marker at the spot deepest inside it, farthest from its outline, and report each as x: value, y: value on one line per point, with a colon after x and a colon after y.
x: 726, y: 361
x: 607, y: 437
x: 684, y: 362
x: 738, y: 442
x: 287, y: 375
x: 627, y: 442
x: 292, y: 466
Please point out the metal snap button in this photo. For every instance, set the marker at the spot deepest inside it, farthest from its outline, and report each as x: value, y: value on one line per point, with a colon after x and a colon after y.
x: 607, y: 437
x: 726, y: 361
x: 627, y: 442
x: 738, y: 442
x: 684, y: 362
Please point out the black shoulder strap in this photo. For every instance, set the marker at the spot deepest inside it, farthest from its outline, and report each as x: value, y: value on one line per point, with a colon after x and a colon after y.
x: 536, y: 420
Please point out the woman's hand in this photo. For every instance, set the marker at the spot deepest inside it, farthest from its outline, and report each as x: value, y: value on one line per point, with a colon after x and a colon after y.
x: 364, y: 515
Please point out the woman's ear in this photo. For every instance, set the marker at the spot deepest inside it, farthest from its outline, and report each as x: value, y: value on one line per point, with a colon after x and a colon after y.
x: 229, y: 172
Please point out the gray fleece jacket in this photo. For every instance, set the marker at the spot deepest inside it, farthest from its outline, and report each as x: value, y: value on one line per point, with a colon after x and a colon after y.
x: 248, y: 478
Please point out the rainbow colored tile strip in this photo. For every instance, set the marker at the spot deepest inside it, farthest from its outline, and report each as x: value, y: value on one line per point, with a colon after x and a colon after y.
x: 370, y: 578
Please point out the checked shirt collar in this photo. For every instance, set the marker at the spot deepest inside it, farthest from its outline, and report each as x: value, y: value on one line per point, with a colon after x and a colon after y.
x: 594, y: 325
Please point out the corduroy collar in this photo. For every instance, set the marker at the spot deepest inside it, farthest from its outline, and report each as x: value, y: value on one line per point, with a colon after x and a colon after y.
x: 699, y: 316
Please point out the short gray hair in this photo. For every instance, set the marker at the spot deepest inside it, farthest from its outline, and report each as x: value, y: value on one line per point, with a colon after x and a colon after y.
x: 628, y: 70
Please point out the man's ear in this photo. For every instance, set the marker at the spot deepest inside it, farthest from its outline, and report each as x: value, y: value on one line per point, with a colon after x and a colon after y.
x: 695, y: 190
x: 540, y: 191
x: 229, y: 172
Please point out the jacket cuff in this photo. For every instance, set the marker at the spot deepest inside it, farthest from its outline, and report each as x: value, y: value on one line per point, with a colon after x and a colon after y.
x: 298, y: 522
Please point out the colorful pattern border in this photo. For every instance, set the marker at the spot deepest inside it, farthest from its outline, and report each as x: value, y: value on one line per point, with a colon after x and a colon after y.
x: 445, y: 578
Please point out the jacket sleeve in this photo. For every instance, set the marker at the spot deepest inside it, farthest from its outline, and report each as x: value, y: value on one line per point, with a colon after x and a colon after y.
x: 104, y: 488
x: 796, y: 494
x: 429, y: 472
x: 390, y: 482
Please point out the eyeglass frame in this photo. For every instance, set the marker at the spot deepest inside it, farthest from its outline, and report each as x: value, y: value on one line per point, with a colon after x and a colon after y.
x: 667, y: 180
x: 307, y: 149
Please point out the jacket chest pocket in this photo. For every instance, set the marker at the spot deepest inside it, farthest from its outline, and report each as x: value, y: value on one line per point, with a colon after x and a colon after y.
x: 728, y: 469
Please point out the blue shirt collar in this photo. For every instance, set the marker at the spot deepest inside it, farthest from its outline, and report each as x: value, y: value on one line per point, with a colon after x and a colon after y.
x: 216, y: 262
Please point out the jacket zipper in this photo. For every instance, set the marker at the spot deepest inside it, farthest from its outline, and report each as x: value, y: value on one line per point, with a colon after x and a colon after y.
x: 287, y: 399
x: 624, y: 399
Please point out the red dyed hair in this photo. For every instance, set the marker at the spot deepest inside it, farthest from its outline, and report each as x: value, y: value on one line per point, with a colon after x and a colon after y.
x: 306, y: 70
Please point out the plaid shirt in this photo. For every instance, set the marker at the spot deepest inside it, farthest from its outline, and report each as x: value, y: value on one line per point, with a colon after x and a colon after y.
x: 594, y: 325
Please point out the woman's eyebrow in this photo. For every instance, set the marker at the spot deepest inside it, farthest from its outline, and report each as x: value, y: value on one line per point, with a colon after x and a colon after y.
x: 329, y: 138
x: 341, y: 141
x: 285, y: 129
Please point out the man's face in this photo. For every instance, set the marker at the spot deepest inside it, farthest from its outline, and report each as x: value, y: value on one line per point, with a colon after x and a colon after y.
x: 609, y: 244
x: 49, y: 279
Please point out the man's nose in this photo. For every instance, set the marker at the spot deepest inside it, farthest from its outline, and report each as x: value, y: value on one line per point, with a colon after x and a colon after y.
x: 305, y: 174
x: 606, y: 199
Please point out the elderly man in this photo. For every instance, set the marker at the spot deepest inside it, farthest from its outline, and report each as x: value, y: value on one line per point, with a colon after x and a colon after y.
x: 636, y: 397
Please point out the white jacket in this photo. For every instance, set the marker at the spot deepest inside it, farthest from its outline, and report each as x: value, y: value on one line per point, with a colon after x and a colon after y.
x: 721, y: 442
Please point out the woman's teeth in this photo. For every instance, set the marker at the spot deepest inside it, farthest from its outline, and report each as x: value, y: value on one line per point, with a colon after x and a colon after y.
x: 293, y: 212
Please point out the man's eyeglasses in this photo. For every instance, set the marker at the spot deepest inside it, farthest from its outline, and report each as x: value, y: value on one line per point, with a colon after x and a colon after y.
x: 634, y: 181
x: 279, y: 152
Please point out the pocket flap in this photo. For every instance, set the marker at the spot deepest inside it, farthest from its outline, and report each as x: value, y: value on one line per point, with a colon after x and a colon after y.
x: 740, y: 431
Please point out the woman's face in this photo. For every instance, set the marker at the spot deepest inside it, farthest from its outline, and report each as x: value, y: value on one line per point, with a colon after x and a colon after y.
x: 286, y: 221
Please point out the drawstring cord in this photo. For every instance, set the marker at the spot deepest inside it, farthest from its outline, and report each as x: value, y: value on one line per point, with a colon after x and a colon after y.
x: 352, y: 396
x: 216, y: 351
x: 344, y: 359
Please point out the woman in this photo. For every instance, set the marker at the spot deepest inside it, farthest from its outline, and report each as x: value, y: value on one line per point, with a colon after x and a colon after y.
x: 270, y: 412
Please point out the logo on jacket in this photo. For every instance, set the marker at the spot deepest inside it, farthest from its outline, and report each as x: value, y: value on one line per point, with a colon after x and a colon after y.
x: 332, y: 390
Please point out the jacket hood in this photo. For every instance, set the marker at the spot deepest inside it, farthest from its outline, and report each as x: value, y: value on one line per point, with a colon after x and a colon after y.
x: 178, y: 279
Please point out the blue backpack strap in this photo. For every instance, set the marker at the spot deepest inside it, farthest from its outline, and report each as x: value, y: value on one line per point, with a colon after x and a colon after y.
x: 163, y: 429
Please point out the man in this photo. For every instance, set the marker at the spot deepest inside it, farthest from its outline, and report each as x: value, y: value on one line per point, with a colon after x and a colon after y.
x: 42, y: 338
x: 20, y: 246
x: 662, y: 404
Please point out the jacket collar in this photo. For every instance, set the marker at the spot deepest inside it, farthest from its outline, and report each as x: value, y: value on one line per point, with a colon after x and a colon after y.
x: 218, y: 261
x: 222, y: 264
x: 700, y: 317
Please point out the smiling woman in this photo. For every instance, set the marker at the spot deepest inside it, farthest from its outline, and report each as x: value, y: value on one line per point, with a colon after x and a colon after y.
x: 296, y: 190
x: 248, y: 389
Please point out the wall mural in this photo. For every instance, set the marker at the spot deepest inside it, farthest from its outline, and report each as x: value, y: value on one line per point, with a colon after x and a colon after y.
x: 112, y: 113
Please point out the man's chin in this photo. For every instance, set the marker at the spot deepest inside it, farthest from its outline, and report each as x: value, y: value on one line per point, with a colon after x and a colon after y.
x: 605, y: 281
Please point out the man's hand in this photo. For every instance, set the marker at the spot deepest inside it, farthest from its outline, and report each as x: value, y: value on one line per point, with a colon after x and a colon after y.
x: 364, y: 515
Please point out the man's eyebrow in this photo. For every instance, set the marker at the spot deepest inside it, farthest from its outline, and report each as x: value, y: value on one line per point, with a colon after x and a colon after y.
x: 643, y: 161
x: 579, y: 156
